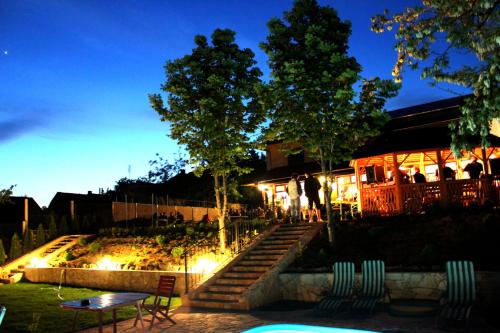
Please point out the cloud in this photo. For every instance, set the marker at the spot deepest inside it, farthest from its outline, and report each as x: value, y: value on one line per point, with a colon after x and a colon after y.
x: 11, y: 129
x: 18, y: 118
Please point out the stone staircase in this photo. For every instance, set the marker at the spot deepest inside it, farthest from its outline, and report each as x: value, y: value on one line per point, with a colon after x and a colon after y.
x: 13, y: 271
x: 252, y: 278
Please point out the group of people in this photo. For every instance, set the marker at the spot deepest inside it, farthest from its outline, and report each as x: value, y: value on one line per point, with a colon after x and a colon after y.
x: 474, y: 170
x: 311, y: 191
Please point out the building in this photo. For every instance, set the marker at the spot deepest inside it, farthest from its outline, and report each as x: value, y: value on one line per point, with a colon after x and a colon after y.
x: 416, y: 137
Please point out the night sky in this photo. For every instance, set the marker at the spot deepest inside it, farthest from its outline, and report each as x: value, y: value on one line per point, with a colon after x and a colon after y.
x: 75, y: 75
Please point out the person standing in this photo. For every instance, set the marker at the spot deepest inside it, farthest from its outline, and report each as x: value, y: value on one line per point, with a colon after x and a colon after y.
x: 311, y: 187
x: 294, y: 191
x: 418, y: 177
x: 474, y: 168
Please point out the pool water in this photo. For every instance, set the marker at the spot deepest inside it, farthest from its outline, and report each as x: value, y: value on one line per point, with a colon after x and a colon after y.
x: 296, y: 328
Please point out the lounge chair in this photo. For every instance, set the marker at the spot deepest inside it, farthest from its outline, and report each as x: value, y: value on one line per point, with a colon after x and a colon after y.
x: 459, y: 297
x: 372, y: 289
x: 341, y: 291
x: 2, y: 313
x: 165, y: 289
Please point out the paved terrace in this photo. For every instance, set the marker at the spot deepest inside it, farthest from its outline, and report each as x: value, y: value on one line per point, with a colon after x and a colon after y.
x: 206, y: 321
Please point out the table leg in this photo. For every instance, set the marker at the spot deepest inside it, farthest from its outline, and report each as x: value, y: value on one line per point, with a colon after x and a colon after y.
x: 114, y: 320
x: 74, y: 321
x: 99, y: 319
x: 139, y: 313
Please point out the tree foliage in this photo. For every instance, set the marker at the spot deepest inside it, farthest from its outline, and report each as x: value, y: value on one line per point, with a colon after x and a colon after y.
x: 15, y: 247
x: 52, y: 227
x: 40, y: 236
x: 63, y: 226
x: 312, y: 97
x: 27, y: 241
x: 213, y: 109
x: 3, y: 255
x: 466, y: 26
x: 5, y: 194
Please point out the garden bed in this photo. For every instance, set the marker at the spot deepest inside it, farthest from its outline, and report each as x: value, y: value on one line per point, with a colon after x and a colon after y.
x: 410, y: 243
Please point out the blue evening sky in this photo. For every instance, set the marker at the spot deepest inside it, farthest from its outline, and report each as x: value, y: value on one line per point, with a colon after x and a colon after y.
x: 75, y: 75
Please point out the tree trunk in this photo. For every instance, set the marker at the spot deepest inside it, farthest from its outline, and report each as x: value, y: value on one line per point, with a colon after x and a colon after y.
x: 328, y: 204
x: 220, y: 215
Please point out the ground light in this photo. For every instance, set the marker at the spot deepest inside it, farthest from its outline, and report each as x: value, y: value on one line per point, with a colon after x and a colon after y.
x: 38, y: 263
x: 296, y: 328
x: 108, y: 264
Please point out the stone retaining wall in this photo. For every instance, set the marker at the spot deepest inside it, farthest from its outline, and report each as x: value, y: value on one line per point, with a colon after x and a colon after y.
x: 139, y: 281
x: 421, y: 285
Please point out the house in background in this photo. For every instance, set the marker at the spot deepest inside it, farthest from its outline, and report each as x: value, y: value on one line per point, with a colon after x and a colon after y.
x: 415, y: 137
x: 17, y: 214
x: 75, y: 204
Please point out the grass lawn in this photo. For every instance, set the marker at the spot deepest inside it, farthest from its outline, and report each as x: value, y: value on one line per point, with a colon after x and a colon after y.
x: 35, y: 308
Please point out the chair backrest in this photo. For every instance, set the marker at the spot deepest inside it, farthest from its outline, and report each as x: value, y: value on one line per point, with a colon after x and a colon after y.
x: 461, y: 282
x: 343, y: 279
x: 373, y: 278
x: 165, y: 286
x: 2, y: 313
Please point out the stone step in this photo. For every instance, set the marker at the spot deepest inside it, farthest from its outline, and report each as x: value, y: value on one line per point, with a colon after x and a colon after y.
x: 236, y: 282
x: 242, y: 275
x: 268, y: 252
x: 256, y: 256
x: 295, y: 226
x: 228, y: 305
x: 272, y: 247
x: 292, y: 231
x: 218, y: 296
x: 284, y: 237
x: 246, y: 262
x: 278, y: 242
x: 238, y: 268
x: 227, y: 288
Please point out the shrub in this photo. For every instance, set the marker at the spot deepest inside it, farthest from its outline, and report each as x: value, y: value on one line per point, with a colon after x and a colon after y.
x: 177, y: 251
x: 63, y: 226
x: 68, y: 255
x: 27, y: 241
x: 161, y: 240
x: 3, y: 255
x: 52, y: 227
x: 40, y: 236
x: 95, y: 247
x: 82, y: 241
x: 15, y: 247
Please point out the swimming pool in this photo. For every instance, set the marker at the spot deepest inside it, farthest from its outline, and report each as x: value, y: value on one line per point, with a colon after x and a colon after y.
x: 296, y: 328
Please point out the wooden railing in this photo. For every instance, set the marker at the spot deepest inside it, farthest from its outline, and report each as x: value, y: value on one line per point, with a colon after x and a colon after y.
x: 379, y: 200
x: 382, y: 200
x: 415, y: 196
x: 466, y: 191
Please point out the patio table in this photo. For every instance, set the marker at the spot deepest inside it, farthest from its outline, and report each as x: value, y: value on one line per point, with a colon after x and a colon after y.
x: 106, y: 302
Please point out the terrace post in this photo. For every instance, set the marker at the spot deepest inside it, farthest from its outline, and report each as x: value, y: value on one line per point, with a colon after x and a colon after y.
x: 487, y: 181
x: 358, y: 186
x: 442, y: 182
x: 397, y: 181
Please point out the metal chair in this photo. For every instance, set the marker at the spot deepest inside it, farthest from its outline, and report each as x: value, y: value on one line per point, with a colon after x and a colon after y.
x: 165, y: 290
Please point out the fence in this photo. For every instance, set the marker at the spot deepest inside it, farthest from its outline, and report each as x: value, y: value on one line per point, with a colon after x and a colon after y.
x: 123, y: 211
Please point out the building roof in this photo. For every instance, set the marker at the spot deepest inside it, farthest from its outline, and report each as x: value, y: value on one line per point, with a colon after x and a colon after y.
x: 418, y: 127
x: 282, y: 174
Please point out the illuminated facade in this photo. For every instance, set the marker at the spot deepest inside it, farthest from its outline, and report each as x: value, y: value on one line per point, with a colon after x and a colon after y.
x: 415, y: 138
